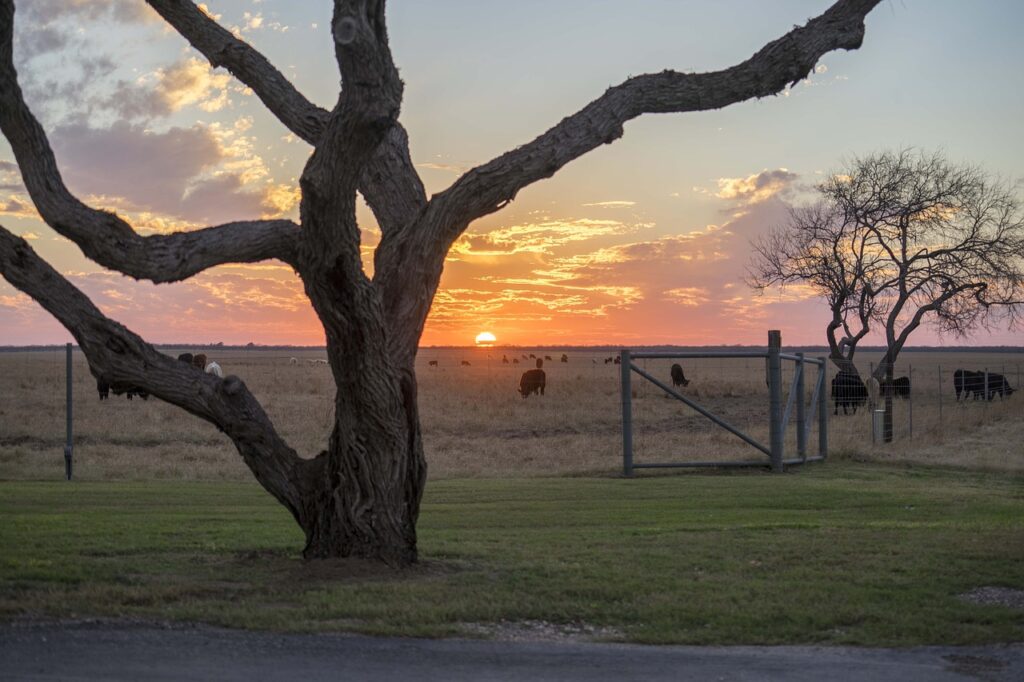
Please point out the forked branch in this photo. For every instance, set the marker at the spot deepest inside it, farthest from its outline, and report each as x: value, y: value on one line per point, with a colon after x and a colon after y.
x: 389, y: 182
x: 124, y: 360
x: 105, y: 237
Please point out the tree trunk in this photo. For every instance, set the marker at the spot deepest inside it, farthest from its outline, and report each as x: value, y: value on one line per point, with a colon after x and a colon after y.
x: 364, y: 491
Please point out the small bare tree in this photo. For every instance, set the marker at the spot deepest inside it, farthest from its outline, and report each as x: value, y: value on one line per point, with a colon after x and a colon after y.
x: 818, y: 248
x: 903, y: 238
x: 361, y: 495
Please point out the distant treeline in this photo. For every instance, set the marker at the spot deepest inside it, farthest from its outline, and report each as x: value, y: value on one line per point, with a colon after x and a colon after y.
x: 821, y: 350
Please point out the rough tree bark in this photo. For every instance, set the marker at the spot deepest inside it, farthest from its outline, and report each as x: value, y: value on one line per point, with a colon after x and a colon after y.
x: 361, y: 495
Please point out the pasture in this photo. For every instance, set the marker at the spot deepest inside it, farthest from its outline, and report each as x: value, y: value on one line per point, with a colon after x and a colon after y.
x: 475, y: 424
x: 526, y: 526
x: 842, y: 554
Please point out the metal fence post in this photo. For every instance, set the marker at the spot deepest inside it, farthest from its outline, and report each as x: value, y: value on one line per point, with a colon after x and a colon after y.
x: 823, y: 409
x: 801, y: 433
x: 68, y: 452
x: 910, y: 401
x: 940, y: 396
x: 775, y: 399
x: 627, y: 416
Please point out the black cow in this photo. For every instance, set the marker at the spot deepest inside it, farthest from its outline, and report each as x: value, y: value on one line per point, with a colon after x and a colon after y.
x: 547, y: 357
x: 540, y: 363
x: 678, y: 378
x: 901, y: 387
x: 515, y: 361
x: 465, y: 363
x: 504, y: 359
x: 565, y: 358
x: 432, y: 363
x: 103, y: 388
x: 966, y: 381
x: 186, y: 358
x: 618, y: 360
x: 607, y: 360
x: 848, y: 391
x: 532, y: 381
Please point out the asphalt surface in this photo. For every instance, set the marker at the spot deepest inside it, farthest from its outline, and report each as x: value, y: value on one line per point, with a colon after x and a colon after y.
x: 118, y: 651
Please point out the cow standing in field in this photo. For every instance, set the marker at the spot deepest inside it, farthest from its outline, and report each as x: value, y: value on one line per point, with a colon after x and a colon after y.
x: 186, y: 358
x: 966, y: 381
x: 848, y: 391
x: 504, y: 359
x: 617, y: 360
x: 565, y: 358
x: 103, y: 388
x: 678, y: 378
x: 532, y: 381
x: 199, y: 361
x: 293, y: 361
x: 214, y: 369
x: 432, y: 363
x: 515, y: 361
x: 465, y: 363
x: 901, y: 387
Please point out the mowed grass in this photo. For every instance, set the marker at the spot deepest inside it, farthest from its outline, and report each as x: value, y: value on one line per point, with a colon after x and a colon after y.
x: 838, y: 553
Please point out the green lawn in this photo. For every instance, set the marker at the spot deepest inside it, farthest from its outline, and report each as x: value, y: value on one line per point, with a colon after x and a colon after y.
x: 837, y: 553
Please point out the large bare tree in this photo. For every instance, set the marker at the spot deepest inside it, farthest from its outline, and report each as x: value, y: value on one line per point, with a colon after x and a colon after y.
x: 361, y: 495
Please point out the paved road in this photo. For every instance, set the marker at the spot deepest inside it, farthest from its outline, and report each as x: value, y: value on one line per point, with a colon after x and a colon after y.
x: 117, y: 652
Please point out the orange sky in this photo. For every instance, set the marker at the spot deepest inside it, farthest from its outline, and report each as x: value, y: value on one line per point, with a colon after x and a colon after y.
x: 645, y: 241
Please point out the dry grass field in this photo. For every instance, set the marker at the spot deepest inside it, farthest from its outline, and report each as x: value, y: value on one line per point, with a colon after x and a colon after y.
x: 476, y: 425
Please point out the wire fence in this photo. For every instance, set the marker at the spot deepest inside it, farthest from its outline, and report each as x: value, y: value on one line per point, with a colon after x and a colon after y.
x: 476, y: 423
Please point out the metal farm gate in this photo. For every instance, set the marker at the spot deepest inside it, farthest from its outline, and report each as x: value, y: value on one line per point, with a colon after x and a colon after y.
x: 778, y: 416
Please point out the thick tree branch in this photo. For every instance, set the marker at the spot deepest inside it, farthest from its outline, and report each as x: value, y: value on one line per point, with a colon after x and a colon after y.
x: 782, y: 62
x: 390, y: 183
x: 409, y: 268
x: 221, y: 48
x: 103, y: 236
x: 124, y: 360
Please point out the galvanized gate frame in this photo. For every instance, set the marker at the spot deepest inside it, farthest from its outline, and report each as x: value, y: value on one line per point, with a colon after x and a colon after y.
x: 778, y: 419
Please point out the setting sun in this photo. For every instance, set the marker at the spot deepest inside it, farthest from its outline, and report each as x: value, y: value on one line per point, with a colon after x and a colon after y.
x: 485, y: 339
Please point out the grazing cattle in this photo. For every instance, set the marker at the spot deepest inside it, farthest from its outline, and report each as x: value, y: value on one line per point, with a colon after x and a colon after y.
x: 465, y: 363
x: 532, y: 356
x: 848, y: 391
x: 607, y: 360
x: 432, y: 363
x: 565, y: 358
x: 540, y: 363
x: 901, y: 387
x: 515, y: 361
x: 678, y: 378
x: 547, y: 357
x: 617, y: 360
x: 186, y: 358
x: 199, y: 361
x: 293, y: 361
x: 103, y: 388
x: 504, y: 359
x: 966, y: 381
x: 532, y: 381
x: 526, y: 357
x: 214, y: 369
